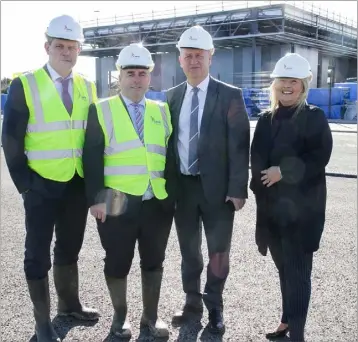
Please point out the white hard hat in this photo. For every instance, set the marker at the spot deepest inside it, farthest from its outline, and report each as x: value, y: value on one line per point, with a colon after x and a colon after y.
x: 65, y: 27
x: 292, y: 65
x: 135, y: 55
x: 197, y: 38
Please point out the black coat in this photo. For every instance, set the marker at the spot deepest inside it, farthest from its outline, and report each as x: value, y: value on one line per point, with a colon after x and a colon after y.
x: 295, y: 206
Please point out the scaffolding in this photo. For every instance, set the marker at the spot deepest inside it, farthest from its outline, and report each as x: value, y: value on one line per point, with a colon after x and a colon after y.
x: 232, y: 24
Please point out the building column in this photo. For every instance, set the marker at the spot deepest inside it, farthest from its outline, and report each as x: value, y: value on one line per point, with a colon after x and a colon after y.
x: 104, y: 66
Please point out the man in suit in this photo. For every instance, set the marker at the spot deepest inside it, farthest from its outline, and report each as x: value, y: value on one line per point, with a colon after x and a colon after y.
x: 207, y: 172
x: 43, y: 132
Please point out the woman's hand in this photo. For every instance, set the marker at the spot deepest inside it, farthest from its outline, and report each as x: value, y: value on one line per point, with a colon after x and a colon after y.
x: 271, y: 176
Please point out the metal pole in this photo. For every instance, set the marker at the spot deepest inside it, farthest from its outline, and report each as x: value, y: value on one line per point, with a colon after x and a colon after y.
x: 330, y: 95
x: 331, y: 84
x: 253, y: 64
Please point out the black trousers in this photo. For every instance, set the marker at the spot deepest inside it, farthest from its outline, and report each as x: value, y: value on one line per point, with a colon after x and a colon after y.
x: 192, y: 210
x: 294, y: 267
x: 67, y: 215
x: 149, y: 222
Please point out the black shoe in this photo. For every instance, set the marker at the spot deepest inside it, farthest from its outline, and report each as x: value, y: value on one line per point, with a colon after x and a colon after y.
x: 216, y: 322
x: 277, y: 334
x: 188, y: 313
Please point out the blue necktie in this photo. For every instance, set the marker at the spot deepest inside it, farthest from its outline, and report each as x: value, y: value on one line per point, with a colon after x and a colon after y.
x: 193, y: 165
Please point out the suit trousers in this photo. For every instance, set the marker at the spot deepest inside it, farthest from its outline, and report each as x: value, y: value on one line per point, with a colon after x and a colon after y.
x: 192, y: 211
x: 294, y: 267
x: 148, y: 222
x: 67, y: 215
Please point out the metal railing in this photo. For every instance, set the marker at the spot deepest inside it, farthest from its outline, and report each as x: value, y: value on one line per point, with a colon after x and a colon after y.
x: 216, y: 7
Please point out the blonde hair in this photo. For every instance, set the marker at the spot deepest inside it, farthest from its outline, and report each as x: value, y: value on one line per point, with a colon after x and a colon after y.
x: 301, y: 100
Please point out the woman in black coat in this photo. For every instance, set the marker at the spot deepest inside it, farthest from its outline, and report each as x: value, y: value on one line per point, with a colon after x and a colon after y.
x: 291, y: 147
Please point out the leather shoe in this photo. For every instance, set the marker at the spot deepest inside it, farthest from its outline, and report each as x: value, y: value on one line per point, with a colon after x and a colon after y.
x: 188, y: 312
x: 277, y: 334
x: 216, y: 322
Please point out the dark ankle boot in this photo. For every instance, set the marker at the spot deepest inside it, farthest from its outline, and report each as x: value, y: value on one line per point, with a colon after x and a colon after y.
x: 40, y: 297
x: 66, y: 284
x: 118, y: 292
x: 192, y: 310
x: 151, y: 283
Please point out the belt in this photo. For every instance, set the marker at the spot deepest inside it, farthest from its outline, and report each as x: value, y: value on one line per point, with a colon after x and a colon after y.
x: 193, y: 177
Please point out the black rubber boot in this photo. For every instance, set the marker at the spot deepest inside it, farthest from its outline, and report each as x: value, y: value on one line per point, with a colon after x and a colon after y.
x: 66, y: 284
x: 40, y: 297
x: 118, y: 292
x: 151, y: 283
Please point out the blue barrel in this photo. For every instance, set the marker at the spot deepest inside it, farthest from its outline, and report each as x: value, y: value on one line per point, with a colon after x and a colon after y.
x: 3, y: 100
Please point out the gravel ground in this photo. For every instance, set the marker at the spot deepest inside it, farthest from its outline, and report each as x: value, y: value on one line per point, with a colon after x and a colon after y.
x: 252, y: 301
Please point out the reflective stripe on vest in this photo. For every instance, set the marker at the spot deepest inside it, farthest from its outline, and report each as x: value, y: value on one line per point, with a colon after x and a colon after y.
x: 55, y: 154
x: 42, y: 126
x: 131, y: 170
x: 131, y: 165
x: 115, y: 147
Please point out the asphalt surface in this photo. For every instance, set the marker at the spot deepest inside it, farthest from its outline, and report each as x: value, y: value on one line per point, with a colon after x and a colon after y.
x: 252, y: 299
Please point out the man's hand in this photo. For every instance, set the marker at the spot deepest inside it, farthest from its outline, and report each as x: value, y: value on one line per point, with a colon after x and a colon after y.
x: 238, y: 202
x: 271, y: 176
x: 98, y: 211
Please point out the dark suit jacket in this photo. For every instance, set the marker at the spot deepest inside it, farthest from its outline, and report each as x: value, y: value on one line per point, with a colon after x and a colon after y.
x: 224, y: 143
x: 296, y: 205
x: 16, y: 117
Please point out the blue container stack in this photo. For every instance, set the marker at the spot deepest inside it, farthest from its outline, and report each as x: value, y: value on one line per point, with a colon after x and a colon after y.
x: 320, y: 98
x: 256, y: 100
x: 156, y: 95
x: 3, y: 100
x: 352, y: 86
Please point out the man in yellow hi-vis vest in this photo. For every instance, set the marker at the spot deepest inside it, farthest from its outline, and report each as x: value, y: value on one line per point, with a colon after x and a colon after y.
x: 125, y: 151
x: 43, y: 133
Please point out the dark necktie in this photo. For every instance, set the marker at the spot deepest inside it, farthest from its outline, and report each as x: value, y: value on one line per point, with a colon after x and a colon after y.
x: 66, y: 97
x: 193, y: 166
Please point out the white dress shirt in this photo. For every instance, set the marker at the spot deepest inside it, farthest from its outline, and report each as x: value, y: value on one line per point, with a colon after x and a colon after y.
x: 55, y: 76
x: 184, y: 121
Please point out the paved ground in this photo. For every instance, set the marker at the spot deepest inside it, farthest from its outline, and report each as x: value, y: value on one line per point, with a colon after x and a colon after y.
x: 252, y: 293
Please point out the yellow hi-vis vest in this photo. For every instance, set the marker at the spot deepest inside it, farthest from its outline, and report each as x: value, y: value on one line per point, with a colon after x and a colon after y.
x: 129, y: 165
x: 54, y: 139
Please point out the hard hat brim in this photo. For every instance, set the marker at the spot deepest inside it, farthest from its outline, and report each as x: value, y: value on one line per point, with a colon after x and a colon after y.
x: 290, y: 76
x: 80, y: 40
x: 135, y: 67
x: 194, y: 47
